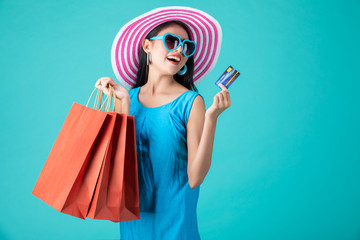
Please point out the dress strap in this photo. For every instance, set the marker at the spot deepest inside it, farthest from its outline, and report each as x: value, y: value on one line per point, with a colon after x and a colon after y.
x: 184, y: 103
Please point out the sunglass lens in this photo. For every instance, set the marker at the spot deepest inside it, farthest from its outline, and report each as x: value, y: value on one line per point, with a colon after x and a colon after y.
x: 189, y: 48
x: 171, y: 42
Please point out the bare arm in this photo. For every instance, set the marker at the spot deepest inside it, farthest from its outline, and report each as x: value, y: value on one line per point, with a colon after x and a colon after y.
x: 122, y: 106
x: 200, y: 139
x: 201, y: 133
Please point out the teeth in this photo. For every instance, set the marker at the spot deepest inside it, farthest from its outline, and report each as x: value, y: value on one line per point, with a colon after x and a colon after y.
x: 174, y: 58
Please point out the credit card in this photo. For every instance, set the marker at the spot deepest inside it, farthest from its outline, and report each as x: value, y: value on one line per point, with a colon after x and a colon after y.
x: 228, y: 77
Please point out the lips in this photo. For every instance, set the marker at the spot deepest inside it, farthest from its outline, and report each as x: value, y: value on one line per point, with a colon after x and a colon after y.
x: 174, y: 58
x: 173, y: 62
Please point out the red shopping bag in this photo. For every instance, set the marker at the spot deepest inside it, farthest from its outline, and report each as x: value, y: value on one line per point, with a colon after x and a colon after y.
x: 60, y: 179
x: 92, y: 169
x: 131, y: 186
x: 80, y: 197
x: 116, y: 197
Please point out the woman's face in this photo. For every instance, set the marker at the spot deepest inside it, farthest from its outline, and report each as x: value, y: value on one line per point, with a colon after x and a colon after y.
x: 159, y: 56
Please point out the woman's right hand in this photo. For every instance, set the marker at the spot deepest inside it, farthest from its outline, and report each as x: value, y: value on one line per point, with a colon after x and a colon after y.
x: 120, y: 92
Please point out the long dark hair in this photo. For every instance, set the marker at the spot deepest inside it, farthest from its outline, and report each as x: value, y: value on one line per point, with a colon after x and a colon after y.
x: 142, y: 75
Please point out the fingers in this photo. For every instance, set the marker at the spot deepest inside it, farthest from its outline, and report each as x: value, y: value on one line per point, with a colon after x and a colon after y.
x: 105, y: 81
x: 223, y: 87
x: 216, y: 100
x: 103, y: 84
x: 97, y: 84
x: 224, y: 97
x: 221, y: 99
x: 226, y: 93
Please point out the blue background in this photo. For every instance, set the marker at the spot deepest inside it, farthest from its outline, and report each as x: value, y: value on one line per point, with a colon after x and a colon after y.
x: 286, y: 160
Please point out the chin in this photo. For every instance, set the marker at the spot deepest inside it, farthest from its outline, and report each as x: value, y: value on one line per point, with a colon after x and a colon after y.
x: 170, y: 71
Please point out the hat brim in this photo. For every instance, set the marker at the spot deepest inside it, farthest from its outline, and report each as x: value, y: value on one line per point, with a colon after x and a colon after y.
x: 204, y: 30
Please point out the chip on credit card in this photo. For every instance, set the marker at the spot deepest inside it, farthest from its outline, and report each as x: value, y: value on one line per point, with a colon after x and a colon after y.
x: 228, y: 77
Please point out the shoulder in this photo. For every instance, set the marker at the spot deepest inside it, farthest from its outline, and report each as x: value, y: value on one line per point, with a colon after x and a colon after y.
x: 196, y: 99
x: 191, y: 98
x: 196, y: 115
x: 199, y: 101
x: 132, y: 91
x: 193, y: 103
x: 198, y: 104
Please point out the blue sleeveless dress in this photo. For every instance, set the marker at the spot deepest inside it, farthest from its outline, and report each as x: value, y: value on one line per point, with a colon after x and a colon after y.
x: 167, y: 203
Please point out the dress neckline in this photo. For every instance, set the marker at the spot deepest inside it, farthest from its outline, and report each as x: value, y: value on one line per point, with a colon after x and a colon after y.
x: 137, y: 99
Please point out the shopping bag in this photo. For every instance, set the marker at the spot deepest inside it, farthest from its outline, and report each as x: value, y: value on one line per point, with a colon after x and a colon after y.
x: 116, y: 197
x: 131, y: 186
x: 80, y: 197
x: 69, y: 176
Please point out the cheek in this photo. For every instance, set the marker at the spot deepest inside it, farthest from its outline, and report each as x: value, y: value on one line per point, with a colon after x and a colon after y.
x: 159, y: 58
x: 160, y: 54
x: 159, y: 47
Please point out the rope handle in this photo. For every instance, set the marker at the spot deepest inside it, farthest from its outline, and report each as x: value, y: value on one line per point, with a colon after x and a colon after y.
x: 111, y: 100
x: 99, y: 97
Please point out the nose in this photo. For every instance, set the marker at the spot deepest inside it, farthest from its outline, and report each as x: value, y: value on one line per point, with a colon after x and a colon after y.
x: 179, y: 50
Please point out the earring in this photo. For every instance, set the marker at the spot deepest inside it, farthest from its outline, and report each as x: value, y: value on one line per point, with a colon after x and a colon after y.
x: 147, y: 58
x: 183, y: 71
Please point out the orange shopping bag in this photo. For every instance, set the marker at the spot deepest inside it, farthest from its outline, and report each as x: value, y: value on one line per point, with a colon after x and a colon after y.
x: 131, y: 186
x: 69, y: 176
x: 116, y: 197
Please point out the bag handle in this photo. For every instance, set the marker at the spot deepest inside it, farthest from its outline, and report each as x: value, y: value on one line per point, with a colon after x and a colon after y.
x: 100, y: 96
x: 111, y: 100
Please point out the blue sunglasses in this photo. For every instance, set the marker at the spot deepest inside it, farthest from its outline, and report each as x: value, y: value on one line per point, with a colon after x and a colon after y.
x: 172, y: 42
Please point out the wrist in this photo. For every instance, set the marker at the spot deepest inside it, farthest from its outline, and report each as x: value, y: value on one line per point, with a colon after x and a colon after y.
x: 123, y: 105
x: 123, y: 98
x: 212, y: 117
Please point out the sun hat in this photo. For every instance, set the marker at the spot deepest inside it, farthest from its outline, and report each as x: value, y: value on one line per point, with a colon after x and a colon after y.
x: 204, y: 30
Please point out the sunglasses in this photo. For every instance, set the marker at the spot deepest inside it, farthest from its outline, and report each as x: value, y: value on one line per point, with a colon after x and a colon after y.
x: 172, y: 42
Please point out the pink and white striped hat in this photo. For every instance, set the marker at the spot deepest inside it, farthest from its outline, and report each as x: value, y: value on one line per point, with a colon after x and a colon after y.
x: 204, y: 30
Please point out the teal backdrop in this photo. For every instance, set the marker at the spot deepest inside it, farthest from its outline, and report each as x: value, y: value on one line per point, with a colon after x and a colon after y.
x: 286, y: 158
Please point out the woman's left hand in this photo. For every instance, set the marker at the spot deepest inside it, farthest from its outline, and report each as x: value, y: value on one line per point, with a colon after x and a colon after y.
x: 221, y: 102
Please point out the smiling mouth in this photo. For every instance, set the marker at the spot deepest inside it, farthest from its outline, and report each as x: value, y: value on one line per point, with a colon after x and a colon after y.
x: 174, y: 59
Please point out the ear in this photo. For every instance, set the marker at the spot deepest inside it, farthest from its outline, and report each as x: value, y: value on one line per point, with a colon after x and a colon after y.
x: 146, y: 45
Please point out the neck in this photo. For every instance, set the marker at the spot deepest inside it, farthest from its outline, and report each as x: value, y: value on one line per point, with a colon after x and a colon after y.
x: 158, y: 82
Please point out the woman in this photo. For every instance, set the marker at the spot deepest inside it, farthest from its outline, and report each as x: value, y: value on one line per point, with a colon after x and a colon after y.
x: 174, y: 132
